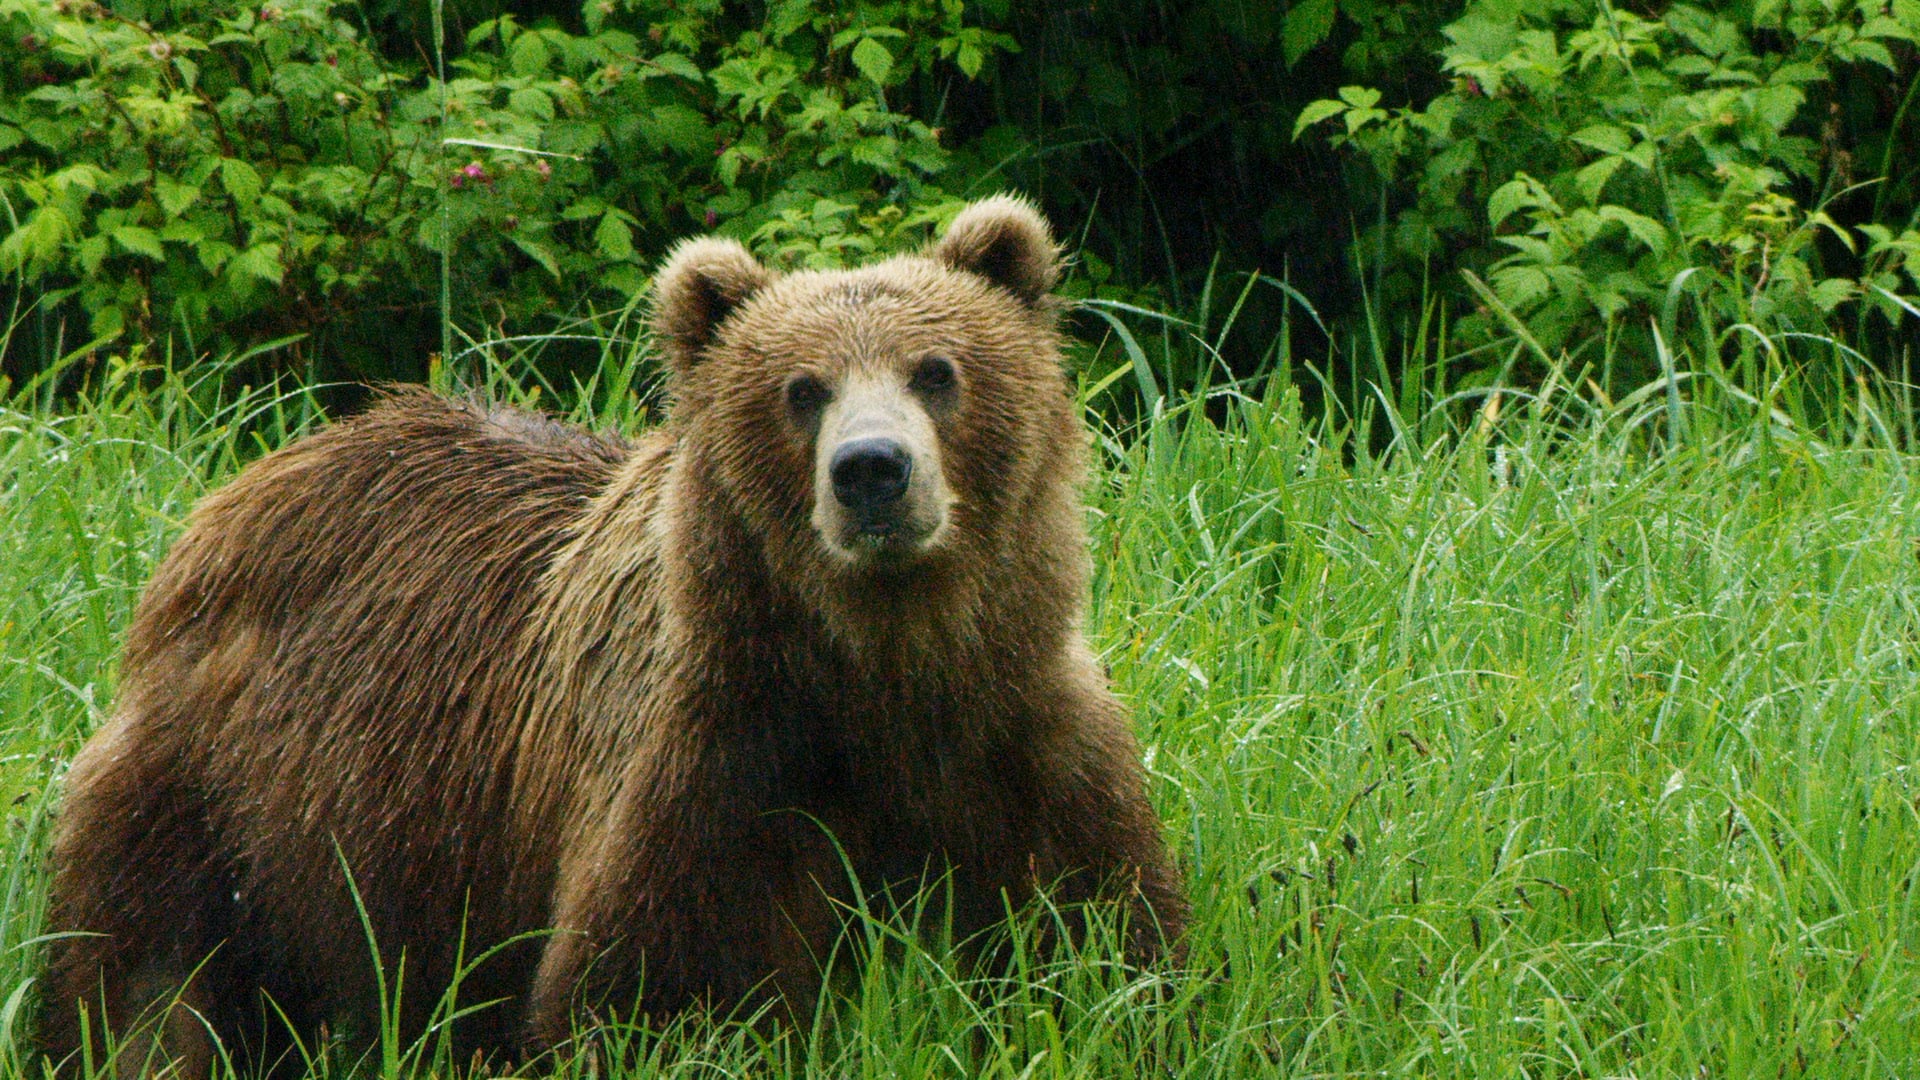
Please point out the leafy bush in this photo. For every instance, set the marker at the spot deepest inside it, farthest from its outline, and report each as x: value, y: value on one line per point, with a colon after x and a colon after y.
x: 227, y: 169
x: 1595, y: 163
x: 225, y: 174
x: 212, y: 176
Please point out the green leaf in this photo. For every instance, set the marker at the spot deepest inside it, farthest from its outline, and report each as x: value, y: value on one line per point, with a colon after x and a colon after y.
x: 1607, y: 138
x: 261, y: 261
x: 1886, y: 26
x: 1531, y: 249
x: 1819, y: 219
x: 1521, y: 286
x: 880, y: 151
x: 38, y: 240
x: 241, y: 180
x: 1306, y: 25
x: 1864, y: 49
x: 1641, y: 227
x: 81, y: 177
x: 970, y: 58
x: 873, y: 60
x: 200, y: 171
x: 1592, y: 178
x: 1509, y: 197
x: 845, y: 38
x: 539, y: 253
x: 1315, y: 112
x: 1360, y: 97
x: 630, y: 280
x: 140, y: 241
x: 788, y: 16
x: 108, y: 322
x: 1578, y: 228
x: 1832, y: 292
x: 614, y: 238
x: 214, y: 254
x: 1799, y: 71
x: 1775, y: 106
x: 1359, y: 118
x: 677, y: 127
x: 174, y: 196
x: 92, y: 252
x: 735, y: 78
x: 506, y: 28
x: 675, y: 64
x: 1641, y: 154
x: 530, y: 54
x: 1487, y: 36
x: 531, y: 103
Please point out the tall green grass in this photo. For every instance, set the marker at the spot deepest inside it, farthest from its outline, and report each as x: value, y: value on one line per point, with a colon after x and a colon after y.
x: 1563, y: 736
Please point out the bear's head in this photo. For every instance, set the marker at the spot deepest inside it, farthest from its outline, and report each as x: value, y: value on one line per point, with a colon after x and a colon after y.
x: 901, y: 420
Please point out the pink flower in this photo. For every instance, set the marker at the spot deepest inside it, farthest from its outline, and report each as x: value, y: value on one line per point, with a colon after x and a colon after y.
x: 475, y: 171
x: 712, y: 219
x: 545, y: 170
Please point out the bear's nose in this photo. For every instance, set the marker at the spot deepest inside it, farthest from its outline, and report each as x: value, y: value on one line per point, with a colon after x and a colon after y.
x: 869, y: 473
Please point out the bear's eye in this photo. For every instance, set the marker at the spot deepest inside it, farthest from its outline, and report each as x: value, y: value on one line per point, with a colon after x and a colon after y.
x: 935, y: 375
x: 805, y: 395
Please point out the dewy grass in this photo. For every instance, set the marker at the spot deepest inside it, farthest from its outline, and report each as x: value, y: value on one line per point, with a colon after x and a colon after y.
x: 1544, y: 748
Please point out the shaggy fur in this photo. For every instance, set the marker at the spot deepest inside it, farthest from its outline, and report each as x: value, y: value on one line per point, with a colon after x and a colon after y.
x: 515, y: 678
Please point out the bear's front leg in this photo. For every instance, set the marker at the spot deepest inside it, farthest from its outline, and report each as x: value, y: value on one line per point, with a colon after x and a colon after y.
x: 1094, y: 835
x: 689, y: 901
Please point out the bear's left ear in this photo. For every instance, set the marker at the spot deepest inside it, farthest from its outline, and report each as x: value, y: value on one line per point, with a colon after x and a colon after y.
x: 702, y: 282
x: 1005, y: 240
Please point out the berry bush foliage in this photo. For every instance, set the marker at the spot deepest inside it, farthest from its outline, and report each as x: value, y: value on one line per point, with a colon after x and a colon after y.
x: 222, y: 175
x: 1603, y: 167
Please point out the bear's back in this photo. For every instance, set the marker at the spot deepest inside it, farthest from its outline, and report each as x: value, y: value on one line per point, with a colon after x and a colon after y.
x: 421, y: 513
x: 333, y: 649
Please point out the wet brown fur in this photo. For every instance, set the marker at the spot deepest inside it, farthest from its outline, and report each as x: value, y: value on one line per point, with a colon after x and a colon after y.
x: 517, y: 678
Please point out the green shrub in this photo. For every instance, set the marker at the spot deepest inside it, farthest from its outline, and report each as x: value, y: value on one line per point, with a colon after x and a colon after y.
x: 1597, y: 164
x: 226, y: 174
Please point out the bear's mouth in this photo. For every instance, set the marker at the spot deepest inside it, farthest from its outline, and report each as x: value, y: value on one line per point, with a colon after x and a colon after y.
x: 889, y: 539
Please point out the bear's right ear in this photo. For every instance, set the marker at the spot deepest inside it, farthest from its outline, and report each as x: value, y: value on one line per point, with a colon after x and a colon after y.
x: 702, y: 282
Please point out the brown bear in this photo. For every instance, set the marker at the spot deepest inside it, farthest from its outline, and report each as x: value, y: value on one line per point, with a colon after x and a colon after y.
x: 447, y: 677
